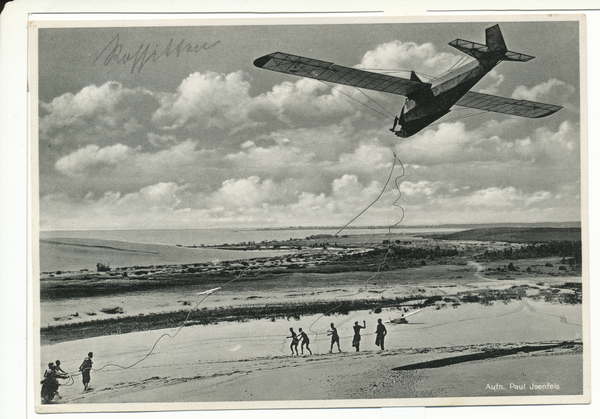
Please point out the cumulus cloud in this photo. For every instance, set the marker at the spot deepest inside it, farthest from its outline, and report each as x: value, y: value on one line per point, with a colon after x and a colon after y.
x: 558, y: 149
x: 122, y: 168
x: 106, y: 113
x: 77, y: 163
x: 348, y: 190
x: 491, y: 83
x: 209, y: 99
x: 553, y: 90
x: 367, y: 156
x: 163, y: 196
x: 423, y: 187
x: 255, y: 201
x: 275, y: 161
x: 306, y: 103
x: 509, y: 197
x: 89, y: 101
x: 206, y: 101
x: 447, y: 142
x: 423, y: 58
x: 299, y: 153
x: 453, y: 143
x: 247, y: 193
x: 161, y: 140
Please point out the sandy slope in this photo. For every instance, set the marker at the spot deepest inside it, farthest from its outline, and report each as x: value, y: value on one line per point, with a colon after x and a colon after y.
x: 70, y: 254
x: 250, y: 361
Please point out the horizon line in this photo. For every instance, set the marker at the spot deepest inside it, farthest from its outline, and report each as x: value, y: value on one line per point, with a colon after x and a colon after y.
x: 398, y: 227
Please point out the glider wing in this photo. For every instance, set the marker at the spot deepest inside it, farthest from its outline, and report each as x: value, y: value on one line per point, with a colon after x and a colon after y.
x: 209, y: 291
x: 507, y: 106
x: 412, y: 312
x: 330, y: 72
x: 400, y: 320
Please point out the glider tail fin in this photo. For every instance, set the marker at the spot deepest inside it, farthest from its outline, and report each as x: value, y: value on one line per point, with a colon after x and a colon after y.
x: 494, y: 41
x: 494, y: 49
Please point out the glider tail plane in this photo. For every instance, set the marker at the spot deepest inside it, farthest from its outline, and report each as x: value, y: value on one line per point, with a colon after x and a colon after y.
x: 494, y: 49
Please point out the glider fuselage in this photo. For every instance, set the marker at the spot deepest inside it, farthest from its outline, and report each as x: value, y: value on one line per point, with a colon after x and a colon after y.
x: 429, y: 104
x: 426, y: 102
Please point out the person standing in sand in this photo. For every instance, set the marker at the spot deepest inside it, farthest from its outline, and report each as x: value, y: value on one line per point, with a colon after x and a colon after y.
x: 294, y: 344
x: 356, y: 339
x: 58, y: 368
x: 50, y: 383
x: 381, y: 332
x: 305, y: 341
x: 334, y: 338
x: 86, y: 368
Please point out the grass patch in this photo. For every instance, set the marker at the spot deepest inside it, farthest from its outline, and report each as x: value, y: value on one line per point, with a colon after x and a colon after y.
x: 488, y: 297
x: 153, y: 321
x: 568, y: 293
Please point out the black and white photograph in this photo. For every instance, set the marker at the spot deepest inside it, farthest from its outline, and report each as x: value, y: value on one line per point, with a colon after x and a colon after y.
x: 309, y: 212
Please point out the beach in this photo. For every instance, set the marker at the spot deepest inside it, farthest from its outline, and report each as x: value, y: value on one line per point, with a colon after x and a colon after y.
x: 482, y: 330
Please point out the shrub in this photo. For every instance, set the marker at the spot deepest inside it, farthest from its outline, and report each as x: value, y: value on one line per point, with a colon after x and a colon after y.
x: 115, y: 310
x: 102, y: 267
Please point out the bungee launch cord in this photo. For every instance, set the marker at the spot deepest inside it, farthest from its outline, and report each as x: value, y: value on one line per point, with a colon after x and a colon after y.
x: 380, y: 264
x: 362, y: 289
x: 69, y: 383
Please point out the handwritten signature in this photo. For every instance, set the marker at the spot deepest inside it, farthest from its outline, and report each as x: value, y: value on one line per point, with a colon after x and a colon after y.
x: 113, y: 53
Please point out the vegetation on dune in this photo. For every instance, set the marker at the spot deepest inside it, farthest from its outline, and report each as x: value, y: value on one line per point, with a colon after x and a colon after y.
x: 516, y: 234
x: 251, y: 270
x: 568, y: 293
x: 570, y: 251
x: 488, y: 296
x: 308, y: 269
x: 128, y: 324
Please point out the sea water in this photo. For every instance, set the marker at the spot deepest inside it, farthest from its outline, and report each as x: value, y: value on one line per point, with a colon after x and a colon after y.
x: 208, y: 237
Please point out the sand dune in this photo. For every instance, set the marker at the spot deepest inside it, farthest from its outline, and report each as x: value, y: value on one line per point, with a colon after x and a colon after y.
x: 489, y: 334
x: 69, y: 254
x: 250, y: 362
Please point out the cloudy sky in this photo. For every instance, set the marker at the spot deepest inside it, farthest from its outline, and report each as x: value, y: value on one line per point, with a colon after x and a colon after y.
x: 201, y: 138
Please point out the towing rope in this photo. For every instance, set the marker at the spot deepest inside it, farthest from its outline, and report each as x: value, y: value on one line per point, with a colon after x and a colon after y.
x: 389, y: 250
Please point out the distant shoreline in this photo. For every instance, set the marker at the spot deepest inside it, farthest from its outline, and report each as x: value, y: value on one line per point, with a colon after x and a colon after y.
x: 565, y: 224
x: 76, y: 253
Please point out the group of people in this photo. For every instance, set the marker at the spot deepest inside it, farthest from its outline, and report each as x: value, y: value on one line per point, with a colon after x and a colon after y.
x: 380, y: 333
x: 296, y: 338
x: 54, y: 372
x: 50, y: 382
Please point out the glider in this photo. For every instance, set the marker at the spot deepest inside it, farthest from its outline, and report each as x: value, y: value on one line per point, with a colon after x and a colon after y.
x: 425, y: 102
x: 402, y: 318
x: 209, y: 291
